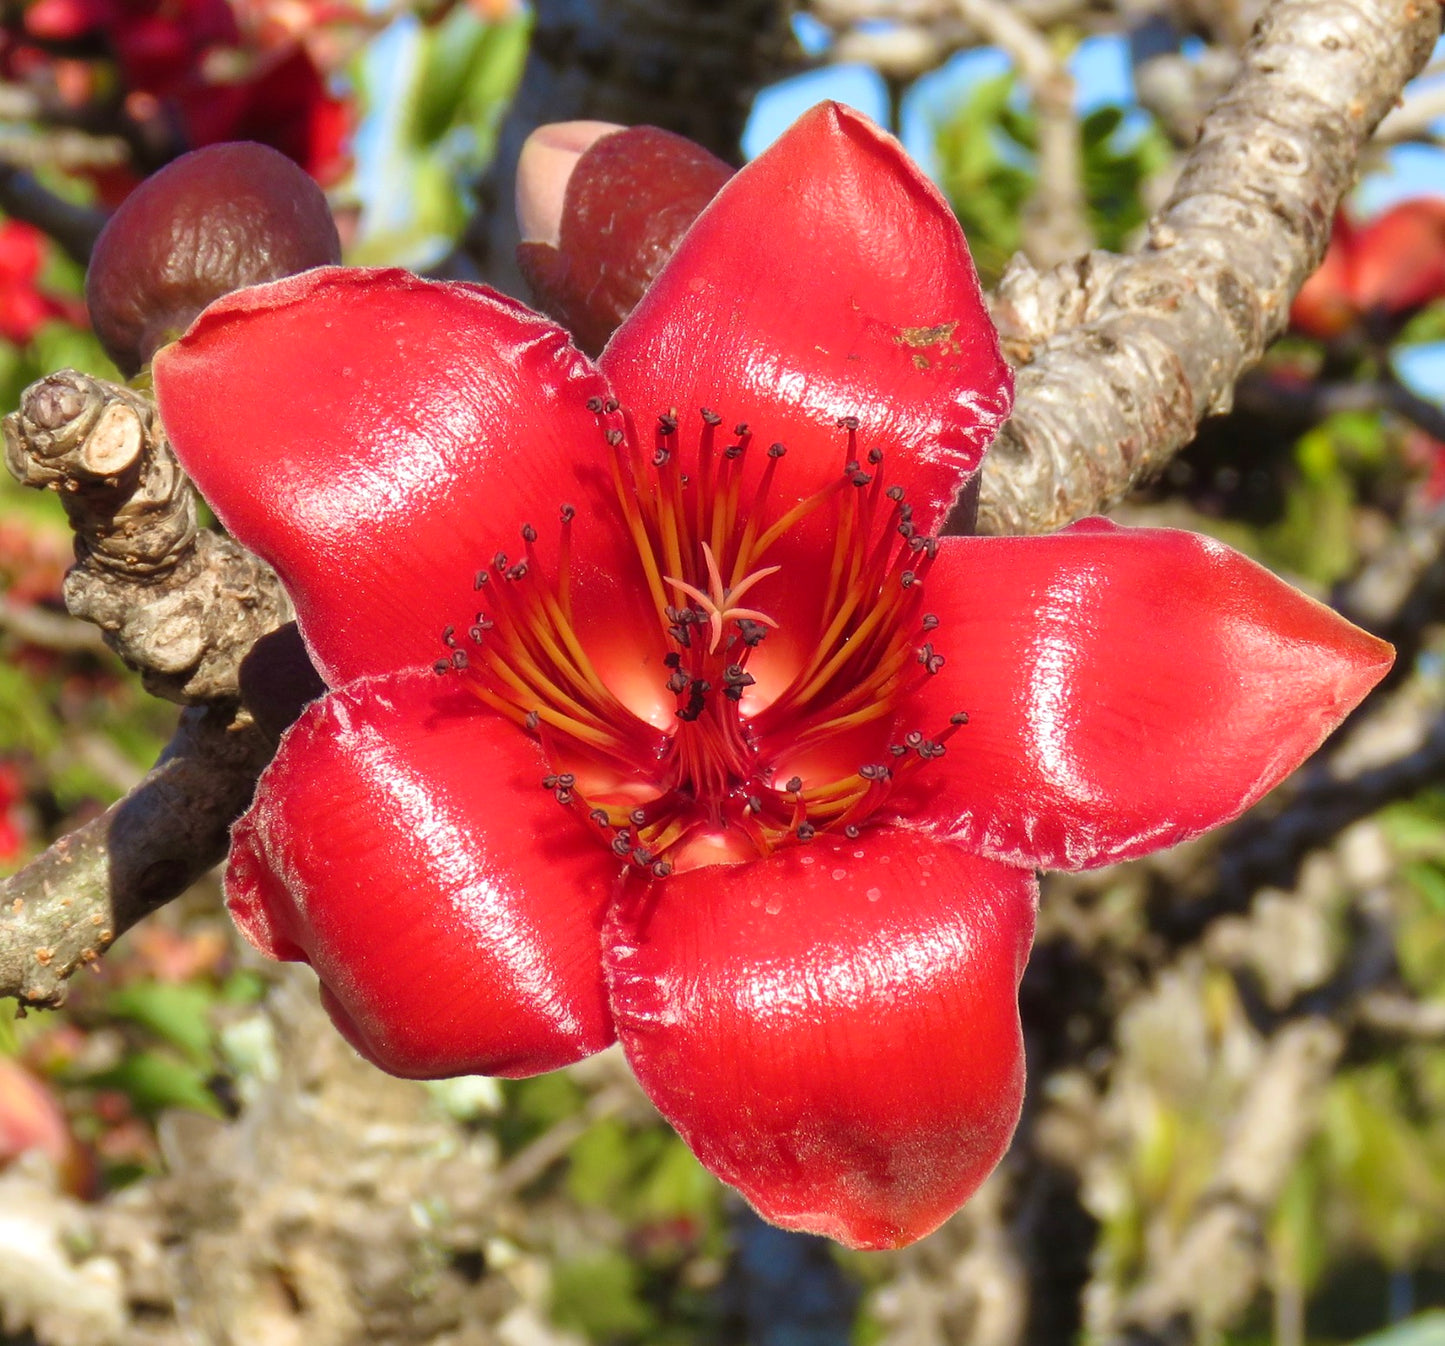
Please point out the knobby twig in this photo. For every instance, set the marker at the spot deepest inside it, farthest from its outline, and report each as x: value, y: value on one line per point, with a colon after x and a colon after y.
x: 1122, y: 356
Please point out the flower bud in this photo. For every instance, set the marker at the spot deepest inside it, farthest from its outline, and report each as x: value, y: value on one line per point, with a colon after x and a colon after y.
x: 590, y: 251
x: 215, y: 220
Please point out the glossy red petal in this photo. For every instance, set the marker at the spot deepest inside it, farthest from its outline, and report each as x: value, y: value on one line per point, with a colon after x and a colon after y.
x: 833, y: 1030
x: 1126, y: 689
x: 828, y: 278
x: 378, y: 438
x: 401, y: 844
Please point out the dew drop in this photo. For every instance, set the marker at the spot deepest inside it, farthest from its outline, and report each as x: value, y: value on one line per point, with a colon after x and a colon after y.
x: 774, y: 906
x: 755, y: 902
x: 858, y: 855
x: 840, y: 873
x: 874, y: 894
x: 806, y: 859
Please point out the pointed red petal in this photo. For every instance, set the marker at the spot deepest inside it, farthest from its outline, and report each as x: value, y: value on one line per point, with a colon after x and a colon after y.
x: 401, y: 844
x: 378, y: 439
x: 833, y: 1030
x: 828, y: 278
x: 1126, y: 689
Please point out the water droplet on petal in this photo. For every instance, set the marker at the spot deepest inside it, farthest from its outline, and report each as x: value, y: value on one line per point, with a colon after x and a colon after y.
x: 874, y: 894
x: 774, y: 907
x: 840, y: 873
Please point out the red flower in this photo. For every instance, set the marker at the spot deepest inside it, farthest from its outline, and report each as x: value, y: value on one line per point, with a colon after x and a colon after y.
x: 24, y: 307
x: 738, y: 761
x: 1386, y: 270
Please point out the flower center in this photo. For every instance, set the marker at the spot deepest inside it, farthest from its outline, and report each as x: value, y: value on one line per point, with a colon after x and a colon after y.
x: 741, y: 769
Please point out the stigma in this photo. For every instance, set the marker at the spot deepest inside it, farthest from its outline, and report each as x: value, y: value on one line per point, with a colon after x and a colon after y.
x: 745, y: 765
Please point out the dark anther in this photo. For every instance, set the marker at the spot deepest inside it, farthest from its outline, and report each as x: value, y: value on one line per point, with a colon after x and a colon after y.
x: 898, y: 749
x: 906, y: 512
x: 476, y: 633
x: 906, y: 529
x: 754, y: 804
x: 874, y: 771
x: 741, y: 428
x: 549, y: 781
x: 500, y: 560
x: 594, y: 405
x: 733, y: 451
x: 734, y: 675
x: 567, y: 780
x: 564, y: 796
x: 860, y: 478
x: 930, y: 621
x: 958, y: 717
x: 917, y: 543
x: 928, y: 545
x: 667, y: 423
x: 677, y: 682
x: 637, y: 817
x: 777, y: 450
x: 661, y: 869
x: 848, y: 422
x: 622, y: 846
x: 711, y: 417
x: 568, y: 513
x: 672, y: 659
x: 599, y: 816
x: 681, y: 634
x: 806, y: 831
x: 696, y: 701
x: 611, y: 405
x: 459, y: 659
x: 795, y: 783
x: 935, y: 662
x: 532, y: 721
x: 752, y: 632
x: 613, y: 438
x: 875, y: 456
x: 908, y: 579
x: 449, y: 635
x: 913, y: 739
x: 851, y: 832
x: 926, y: 656
x: 480, y: 580
x: 442, y: 666
x: 529, y: 534
x: 894, y: 493
x: 642, y: 856
x: 691, y: 616
x: 660, y: 457
x: 928, y: 750
x: 518, y: 571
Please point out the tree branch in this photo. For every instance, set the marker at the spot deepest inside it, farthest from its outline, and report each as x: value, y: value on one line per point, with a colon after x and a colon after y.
x: 1121, y: 357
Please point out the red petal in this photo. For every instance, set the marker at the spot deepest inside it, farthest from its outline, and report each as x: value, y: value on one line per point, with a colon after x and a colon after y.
x: 378, y: 439
x: 1126, y: 689
x: 833, y: 1030
x: 828, y: 278
x: 401, y: 844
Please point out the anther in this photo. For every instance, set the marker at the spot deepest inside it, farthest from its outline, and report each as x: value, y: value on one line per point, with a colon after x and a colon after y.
x: 851, y: 832
x: 459, y: 659
x: 613, y: 438
x: 913, y: 739
x: 529, y: 534
x: 806, y: 832
x: 667, y: 423
x: 642, y: 857
x: 848, y: 422
x: 677, y: 683
x: 611, y: 405
x: 672, y: 659
x: 518, y: 571
x: 733, y: 452
x: 875, y: 456
x: 568, y: 513
x: 599, y: 816
x: 661, y: 869
x: 930, y: 658
x: 442, y: 666
x: 741, y: 428
x: 564, y: 796
x: 622, y: 846
x: 872, y: 771
x: 859, y: 477
x: 752, y: 632
x: 549, y: 781
x: 777, y: 450
x: 711, y: 417
x: 908, y: 579
x: 476, y: 633
x: 930, y: 621
x: 898, y: 749
x: 500, y: 560
x: 449, y: 636
x: 894, y: 493
x: 660, y: 457
x: 481, y: 579
x: 532, y: 721
x: 638, y: 817
x: 958, y: 717
x: 754, y: 804
x: 594, y: 405
x: 795, y: 783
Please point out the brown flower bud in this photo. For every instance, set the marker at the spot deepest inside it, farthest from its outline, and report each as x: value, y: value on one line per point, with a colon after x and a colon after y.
x: 629, y: 199
x: 213, y: 221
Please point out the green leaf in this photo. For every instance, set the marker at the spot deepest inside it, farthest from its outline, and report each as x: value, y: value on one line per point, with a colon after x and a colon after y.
x: 178, y: 1012
x: 601, y: 1298
x: 1424, y: 1329
x: 155, y: 1080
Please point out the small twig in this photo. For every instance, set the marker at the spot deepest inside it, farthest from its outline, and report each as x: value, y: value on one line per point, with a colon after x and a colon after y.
x: 75, y: 228
x: 1055, y: 219
x: 1399, y: 1015
x: 66, y: 908
x: 50, y: 630
x: 533, y: 1160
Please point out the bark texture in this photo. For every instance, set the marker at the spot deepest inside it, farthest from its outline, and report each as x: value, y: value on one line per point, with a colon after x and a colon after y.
x: 1120, y: 358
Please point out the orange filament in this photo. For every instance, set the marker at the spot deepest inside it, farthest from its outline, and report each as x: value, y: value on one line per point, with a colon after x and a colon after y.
x: 710, y: 784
